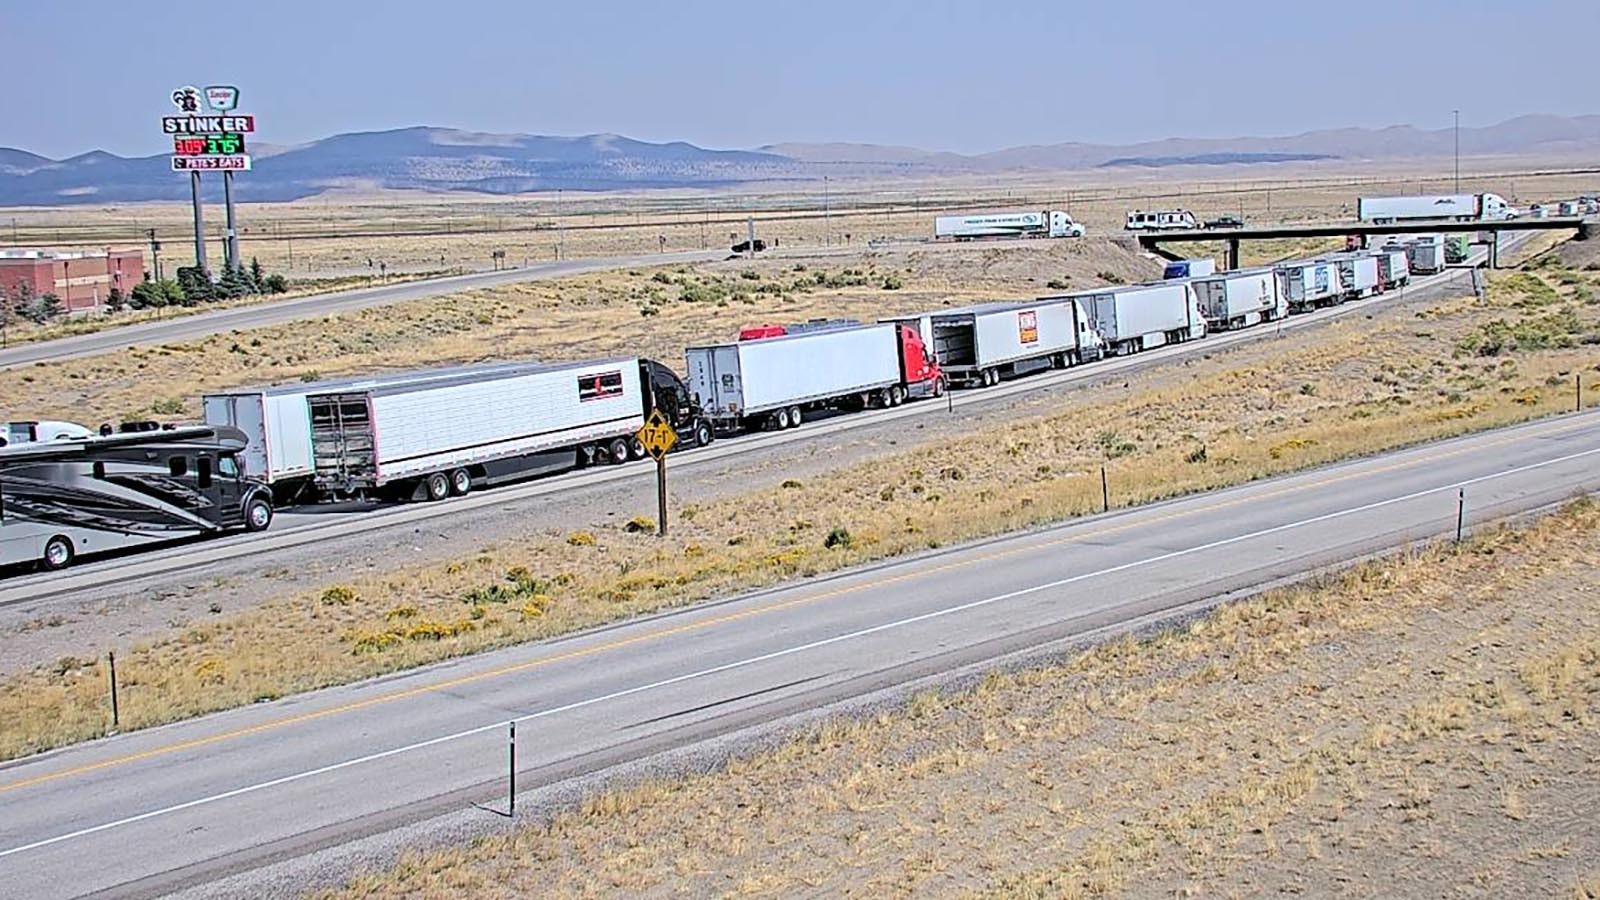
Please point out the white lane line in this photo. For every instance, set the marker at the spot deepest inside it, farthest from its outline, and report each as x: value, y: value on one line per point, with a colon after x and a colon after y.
x: 790, y: 651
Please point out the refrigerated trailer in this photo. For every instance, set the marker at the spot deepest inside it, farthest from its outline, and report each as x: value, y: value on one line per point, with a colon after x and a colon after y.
x: 1433, y: 206
x: 436, y: 432
x: 772, y: 382
x: 1046, y: 223
x: 1308, y: 285
x: 1139, y: 317
x: 1394, y: 270
x: 1358, y: 274
x: 1240, y: 299
x: 1426, y: 253
x: 61, y: 499
x: 980, y: 345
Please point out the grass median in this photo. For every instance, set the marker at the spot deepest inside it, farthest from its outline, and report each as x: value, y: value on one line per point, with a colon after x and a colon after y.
x: 1358, y: 386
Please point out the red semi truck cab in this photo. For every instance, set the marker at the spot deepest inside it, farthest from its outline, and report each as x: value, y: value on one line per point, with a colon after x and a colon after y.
x: 919, y: 368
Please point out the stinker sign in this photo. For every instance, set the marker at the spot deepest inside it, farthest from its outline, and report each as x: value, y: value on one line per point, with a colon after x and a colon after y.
x: 218, y: 121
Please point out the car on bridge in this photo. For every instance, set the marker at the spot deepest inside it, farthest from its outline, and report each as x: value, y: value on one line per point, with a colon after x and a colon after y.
x: 1225, y: 222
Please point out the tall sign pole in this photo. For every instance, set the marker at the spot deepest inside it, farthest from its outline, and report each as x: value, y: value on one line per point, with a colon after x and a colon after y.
x: 199, y: 222
x: 211, y: 141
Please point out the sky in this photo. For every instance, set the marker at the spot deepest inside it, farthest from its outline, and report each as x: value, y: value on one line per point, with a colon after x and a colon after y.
x: 965, y: 76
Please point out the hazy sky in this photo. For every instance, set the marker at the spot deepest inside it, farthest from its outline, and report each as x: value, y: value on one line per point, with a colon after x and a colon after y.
x: 965, y: 76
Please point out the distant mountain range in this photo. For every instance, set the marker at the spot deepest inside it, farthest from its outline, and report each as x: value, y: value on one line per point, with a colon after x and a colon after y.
x: 445, y: 159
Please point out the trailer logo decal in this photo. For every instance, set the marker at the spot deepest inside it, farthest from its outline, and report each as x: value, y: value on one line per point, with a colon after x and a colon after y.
x: 1028, y: 327
x: 599, y: 386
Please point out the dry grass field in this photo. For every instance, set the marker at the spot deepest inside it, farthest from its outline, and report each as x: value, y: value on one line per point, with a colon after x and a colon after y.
x: 337, y: 235
x: 1418, y: 727
x: 651, y: 312
x: 1358, y: 386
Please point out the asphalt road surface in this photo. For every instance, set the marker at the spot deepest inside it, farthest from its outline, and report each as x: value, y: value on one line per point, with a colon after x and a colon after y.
x: 325, y: 527
x: 158, y: 809
x: 200, y: 325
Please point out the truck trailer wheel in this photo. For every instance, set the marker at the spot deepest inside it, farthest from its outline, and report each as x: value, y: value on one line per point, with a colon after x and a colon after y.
x: 257, y: 514
x: 58, y: 553
x: 618, y: 451
x: 460, y: 482
x: 437, y: 485
x: 780, y: 420
x: 794, y: 417
x: 636, y: 449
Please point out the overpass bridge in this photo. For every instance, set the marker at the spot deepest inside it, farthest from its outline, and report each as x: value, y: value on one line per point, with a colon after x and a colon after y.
x: 1233, y: 237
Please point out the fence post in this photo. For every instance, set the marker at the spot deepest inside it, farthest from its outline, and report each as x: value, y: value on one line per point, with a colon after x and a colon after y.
x: 511, y: 770
x: 1461, y: 511
x: 1579, y: 379
x: 1105, y: 490
x: 111, y: 661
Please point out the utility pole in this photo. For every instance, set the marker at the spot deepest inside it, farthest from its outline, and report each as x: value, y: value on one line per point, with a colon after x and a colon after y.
x: 155, y: 252
x: 1457, y: 114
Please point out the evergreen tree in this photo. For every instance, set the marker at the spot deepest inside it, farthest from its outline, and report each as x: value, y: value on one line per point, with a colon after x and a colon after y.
x: 196, y: 285
x: 116, y: 301
x: 258, y: 276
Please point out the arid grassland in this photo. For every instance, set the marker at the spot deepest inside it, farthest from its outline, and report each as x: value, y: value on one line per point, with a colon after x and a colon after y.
x: 650, y: 312
x: 1359, y: 385
x: 1418, y: 727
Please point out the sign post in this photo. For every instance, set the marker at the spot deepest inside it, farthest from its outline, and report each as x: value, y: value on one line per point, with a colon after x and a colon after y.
x: 658, y: 438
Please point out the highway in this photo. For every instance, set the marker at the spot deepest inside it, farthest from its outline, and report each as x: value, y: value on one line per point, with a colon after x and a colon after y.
x: 201, y: 799
x: 294, y: 529
x: 200, y: 325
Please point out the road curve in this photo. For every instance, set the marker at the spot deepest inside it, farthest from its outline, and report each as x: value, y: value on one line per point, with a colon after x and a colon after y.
x: 295, y: 530
x: 226, y: 793
x: 200, y: 325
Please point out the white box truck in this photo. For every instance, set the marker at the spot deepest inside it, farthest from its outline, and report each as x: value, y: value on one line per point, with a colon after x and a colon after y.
x: 434, y: 432
x: 981, y: 345
x: 1138, y: 317
x: 1358, y: 274
x: 1433, y: 206
x: 1047, y: 223
x: 1310, y: 284
x: 1240, y: 299
x: 771, y: 382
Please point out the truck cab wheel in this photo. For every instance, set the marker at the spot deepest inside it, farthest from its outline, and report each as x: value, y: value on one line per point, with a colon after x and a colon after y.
x: 460, y: 482
x: 897, y: 395
x: 437, y: 485
x: 618, y: 451
x: 702, y: 434
x: 938, y: 387
x: 257, y: 514
x: 58, y: 553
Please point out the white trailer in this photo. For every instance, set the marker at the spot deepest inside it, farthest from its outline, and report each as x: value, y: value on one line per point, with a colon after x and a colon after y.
x: 983, y: 344
x: 772, y: 380
x: 1189, y: 268
x: 1161, y: 220
x: 1240, y: 299
x: 1045, y: 223
x: 1307, y: 285
x: 1433, y: 206
x: 1394, y: 270
x: 1138, y: 317
x: 1358, y: 274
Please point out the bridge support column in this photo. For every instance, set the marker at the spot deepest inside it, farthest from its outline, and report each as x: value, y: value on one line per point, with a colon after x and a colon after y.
x: 1230, y: 259
x: 1494, y: 251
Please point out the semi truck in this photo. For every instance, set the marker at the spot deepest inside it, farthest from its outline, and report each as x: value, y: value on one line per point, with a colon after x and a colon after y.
x: 1045, y: 223
x: 1394, y: 270
x: 1461, y: 207
x: 1309, y: 284
x: 983, y: 344
x: 432, y: 433
x: 1240, y: 299
x: 1139, y: 317
x: 1189, y: 268
x: 62, y: 499
x: 773, y: 382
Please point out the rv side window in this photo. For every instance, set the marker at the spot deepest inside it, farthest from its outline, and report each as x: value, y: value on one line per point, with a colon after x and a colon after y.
x: 227, y: 467
x: 178, y: 466
x: 203, y: 471
x: 99, y: 471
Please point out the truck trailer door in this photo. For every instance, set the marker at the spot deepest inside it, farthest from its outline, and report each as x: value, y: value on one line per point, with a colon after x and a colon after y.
x: 343, y: 446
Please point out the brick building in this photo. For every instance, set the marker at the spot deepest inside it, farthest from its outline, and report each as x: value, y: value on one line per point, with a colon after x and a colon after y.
x: 83, y: 280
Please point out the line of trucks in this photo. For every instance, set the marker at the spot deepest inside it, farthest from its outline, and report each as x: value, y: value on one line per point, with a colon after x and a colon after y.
x: 431, y: 434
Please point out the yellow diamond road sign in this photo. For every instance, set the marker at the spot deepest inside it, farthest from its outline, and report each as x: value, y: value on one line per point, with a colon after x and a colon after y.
x: 656, y: 435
